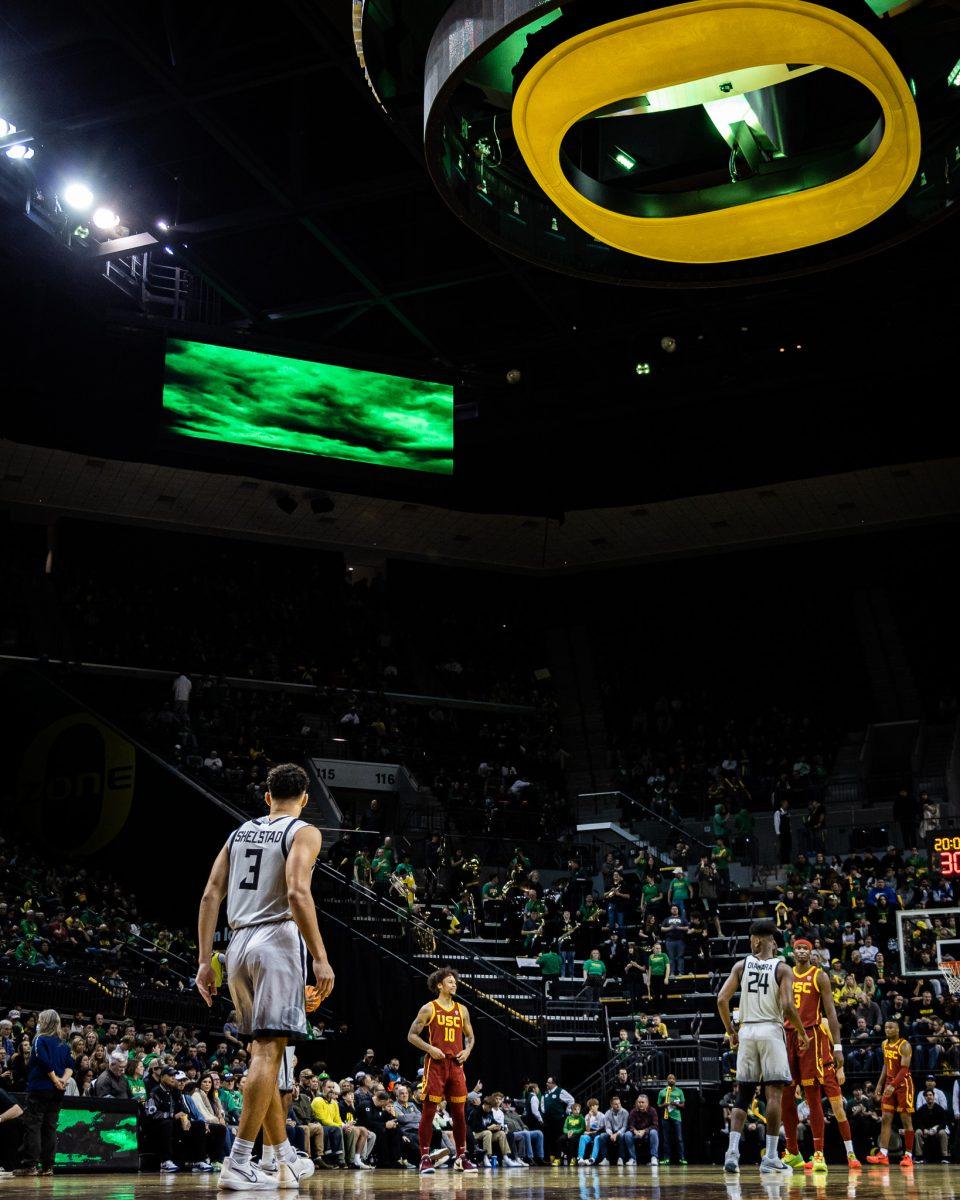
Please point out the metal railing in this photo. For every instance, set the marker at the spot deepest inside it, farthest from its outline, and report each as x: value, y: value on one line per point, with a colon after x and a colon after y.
x: 574, y: 1019
x: 444, y: 944
x: 637, y: 810
x: 696, y: 1063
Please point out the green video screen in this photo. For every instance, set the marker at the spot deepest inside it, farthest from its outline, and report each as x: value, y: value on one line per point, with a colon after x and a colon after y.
x: 89, y: 1139
x: 247, y: 398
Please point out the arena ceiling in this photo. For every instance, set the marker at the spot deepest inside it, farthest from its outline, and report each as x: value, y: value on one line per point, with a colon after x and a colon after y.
x: 313, y: 222
x: 41, y: 484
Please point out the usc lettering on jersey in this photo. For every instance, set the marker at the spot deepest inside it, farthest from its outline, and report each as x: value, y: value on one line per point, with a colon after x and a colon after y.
x: 806, y: 996
x: 815, y: 1063
x: 903, y: 1097
x: 445, y: 1030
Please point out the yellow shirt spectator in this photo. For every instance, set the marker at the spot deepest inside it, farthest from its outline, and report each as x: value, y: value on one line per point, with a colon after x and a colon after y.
x: 327, y: 1112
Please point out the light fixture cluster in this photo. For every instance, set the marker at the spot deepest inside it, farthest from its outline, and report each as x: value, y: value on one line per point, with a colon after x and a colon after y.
x: 19, y: 151
x: 80, y: 198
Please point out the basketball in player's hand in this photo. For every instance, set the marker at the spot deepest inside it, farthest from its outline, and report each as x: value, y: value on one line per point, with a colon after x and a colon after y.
x: 311, y: 998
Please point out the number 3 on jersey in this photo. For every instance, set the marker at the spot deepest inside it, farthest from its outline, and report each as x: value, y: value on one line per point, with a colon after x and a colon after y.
x: 249, y: 883
x: 756, y: 981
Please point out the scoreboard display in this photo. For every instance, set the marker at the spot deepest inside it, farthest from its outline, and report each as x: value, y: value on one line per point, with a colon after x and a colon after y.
x: 944, y: 850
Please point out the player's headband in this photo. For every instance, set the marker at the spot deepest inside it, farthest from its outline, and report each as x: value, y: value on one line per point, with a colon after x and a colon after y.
x: 803, y: 942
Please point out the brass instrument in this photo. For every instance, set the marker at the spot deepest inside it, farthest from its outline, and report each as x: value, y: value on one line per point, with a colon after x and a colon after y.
x: 569, y: 933
x: 514, y: 883
x: 471, y: 872
x: 595, y: 914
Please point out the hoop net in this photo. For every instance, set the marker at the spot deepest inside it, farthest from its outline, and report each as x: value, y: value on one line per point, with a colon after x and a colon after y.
x: 950, y: 969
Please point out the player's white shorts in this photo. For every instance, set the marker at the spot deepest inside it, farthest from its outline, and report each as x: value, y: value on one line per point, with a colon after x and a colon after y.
x: 762, y: 1053
x: 267, y: 974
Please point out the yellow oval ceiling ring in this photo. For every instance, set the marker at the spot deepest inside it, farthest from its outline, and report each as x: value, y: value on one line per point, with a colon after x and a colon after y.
x: 685, y: 42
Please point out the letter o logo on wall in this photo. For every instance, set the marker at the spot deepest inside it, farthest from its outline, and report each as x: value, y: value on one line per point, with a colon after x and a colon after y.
x: 77, y: 774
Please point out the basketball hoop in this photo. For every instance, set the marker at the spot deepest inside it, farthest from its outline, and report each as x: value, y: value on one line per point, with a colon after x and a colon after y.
x: 950, y: 969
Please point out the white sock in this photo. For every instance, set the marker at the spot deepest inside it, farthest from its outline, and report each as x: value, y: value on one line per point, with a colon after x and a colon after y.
x: 848, y: 1146
x: 268, y: 1156
x: 286, y: 1153
x: 733, y: 1146
x: 882, y: 1151
x: 242, y: 1149
x: 773, y: 1145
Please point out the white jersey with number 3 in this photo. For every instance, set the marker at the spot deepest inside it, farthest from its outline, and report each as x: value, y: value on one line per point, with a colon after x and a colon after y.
x: 760, y: 991
x: 257, y: 887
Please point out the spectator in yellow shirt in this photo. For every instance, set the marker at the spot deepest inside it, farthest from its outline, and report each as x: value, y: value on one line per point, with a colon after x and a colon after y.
x: 336, y: 1136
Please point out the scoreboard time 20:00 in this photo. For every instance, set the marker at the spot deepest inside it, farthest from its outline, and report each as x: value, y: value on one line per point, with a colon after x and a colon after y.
x: 945, y: 853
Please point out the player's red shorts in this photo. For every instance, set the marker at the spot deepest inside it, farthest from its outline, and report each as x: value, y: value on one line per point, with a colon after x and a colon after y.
x: 444, y: 1080
x: 810, y: 1066
x: 831, y: 1087
x: 903, y: 1099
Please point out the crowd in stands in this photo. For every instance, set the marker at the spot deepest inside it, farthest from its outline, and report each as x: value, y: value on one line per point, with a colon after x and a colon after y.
x: 490, y: 772
x: 683, y: 754
x: 848, y: 910
x: 190, y: 1089
x: 80, y: 921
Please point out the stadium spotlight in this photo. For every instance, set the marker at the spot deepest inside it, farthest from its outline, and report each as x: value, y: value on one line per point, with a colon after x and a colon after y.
x: 105, y: 218
x: 642, y: 368
x: 6, y: 127
x: 163, y: 226
x: 668, y: 344
x: 513, y: 377
x: 19, y: 152
x: 78, y: 196
x: 953, y: 79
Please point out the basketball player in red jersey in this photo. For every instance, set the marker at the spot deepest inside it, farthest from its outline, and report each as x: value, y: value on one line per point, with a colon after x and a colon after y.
x: 895, y: 1093
x: 812, y: 1067
x: 449, y: 1043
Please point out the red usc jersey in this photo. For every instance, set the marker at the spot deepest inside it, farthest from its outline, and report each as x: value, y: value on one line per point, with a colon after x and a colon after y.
x: 445, y: 1029
x: 903, y: 1098
x: 806, y: 996
x: 891, y: 1056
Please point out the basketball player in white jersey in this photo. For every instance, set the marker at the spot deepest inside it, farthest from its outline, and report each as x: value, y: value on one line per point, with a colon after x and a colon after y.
x: 264, y: 872
x: 765, y: 983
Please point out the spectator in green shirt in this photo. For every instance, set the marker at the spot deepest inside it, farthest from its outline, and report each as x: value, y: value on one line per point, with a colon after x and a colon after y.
x: 743, y: 832
x: 231, y: 1099
x: 549, y: 964
x: 718, y: 822
x: 134, y: 1072
x: 381, y: 869
x: 678, y: 892
x: 361, y: 868
x: 625, y: 1046
x: 25, y: 954
x: 649, y: 893
x: 594, y: 974
x: 672, y: 1100
x: 574, y: 1126
x: 658, y: 973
